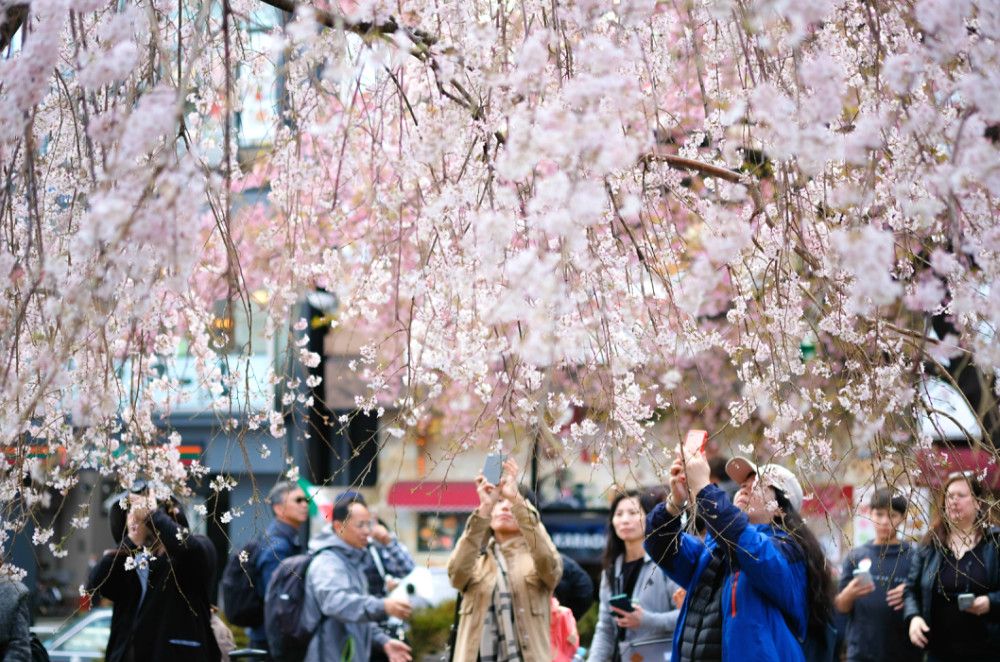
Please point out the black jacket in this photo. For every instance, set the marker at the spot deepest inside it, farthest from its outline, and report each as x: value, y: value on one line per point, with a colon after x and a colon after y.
x: 924, y: 566
x: 575, y: 589
x: 173, y: 621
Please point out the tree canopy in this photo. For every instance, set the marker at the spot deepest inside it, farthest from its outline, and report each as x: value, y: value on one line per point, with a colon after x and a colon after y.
x: 776, y: 219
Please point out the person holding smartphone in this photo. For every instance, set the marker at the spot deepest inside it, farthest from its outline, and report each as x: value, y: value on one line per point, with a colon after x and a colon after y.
x: 757, y: 587
x: 159, y: 579
x: 871, y: 587
x: 635, y: 616
x: 952, y: 597
x: 505, y: 568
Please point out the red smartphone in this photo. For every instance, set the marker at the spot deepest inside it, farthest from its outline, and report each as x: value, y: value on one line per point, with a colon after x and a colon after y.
x: 695, y: 442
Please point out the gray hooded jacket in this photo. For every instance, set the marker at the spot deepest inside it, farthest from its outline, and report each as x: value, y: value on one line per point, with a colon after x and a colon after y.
x: 337, y: 598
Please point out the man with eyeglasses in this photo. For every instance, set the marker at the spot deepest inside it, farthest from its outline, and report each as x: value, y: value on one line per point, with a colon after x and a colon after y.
x: 388, y: 561
x: 280, y: 540
x: 337, y: 595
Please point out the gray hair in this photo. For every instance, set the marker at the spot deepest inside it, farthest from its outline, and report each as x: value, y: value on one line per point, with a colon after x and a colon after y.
x: 277, y: 495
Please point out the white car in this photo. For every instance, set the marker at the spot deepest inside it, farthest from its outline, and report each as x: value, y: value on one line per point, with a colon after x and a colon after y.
x: 82, y: 639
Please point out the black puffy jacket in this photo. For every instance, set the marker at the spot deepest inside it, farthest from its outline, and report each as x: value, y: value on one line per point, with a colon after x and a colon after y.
x: 924, y: 566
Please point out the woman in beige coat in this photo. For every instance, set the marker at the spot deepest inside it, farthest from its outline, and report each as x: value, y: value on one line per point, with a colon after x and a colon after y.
x: 505, y: 567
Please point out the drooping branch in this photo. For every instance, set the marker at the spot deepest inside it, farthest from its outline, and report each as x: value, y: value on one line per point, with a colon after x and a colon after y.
x: 422, y: 43
x: 705, y: 169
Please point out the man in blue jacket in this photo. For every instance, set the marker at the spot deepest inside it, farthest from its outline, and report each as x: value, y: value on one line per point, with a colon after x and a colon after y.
x: 746, y: 582
x: 280, y: 540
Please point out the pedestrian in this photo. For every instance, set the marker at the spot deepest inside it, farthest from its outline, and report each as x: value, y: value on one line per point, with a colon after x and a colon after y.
x: 506, y: 568
x: 281, y: 539
x: 159, y: 579
x: 871, y: 587
x: 15, y: 621
x: 388, y: 561
x: 952, y: 594
x: 572, y: 598
x: 575, y: 589
x: 646, y: 629
x: 758, y: 585
x: 337, y: 596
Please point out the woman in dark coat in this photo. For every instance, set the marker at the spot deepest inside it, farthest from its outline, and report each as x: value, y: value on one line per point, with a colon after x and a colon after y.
x: 159, y: 579
x: 952, y: 597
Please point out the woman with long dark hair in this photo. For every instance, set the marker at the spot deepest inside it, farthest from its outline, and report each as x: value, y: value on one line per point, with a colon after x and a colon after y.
x: 758, y: 587
x: 647, y: 628
x: 952, y: 596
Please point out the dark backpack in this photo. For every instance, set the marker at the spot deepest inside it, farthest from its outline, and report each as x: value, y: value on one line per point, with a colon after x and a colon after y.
x: 244, y: 606
x: 288, y: 633
x: 38, y: 651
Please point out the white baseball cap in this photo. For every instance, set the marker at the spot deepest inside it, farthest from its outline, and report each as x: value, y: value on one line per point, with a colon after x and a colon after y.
x: 771, y: 475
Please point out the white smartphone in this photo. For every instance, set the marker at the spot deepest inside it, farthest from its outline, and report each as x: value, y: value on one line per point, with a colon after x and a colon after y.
x: 863, y: 571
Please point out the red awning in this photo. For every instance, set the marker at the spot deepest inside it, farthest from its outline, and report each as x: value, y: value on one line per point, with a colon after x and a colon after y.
x: 934, y: 471
x: 829, y: 500
x: 428, y: 495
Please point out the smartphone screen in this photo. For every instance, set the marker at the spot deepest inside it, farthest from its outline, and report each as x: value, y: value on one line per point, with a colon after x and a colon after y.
x: 695, y: 442
x: 622, y: 601
x: 493, y: 468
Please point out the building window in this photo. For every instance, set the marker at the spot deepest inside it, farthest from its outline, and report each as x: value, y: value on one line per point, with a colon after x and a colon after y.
x: 438, y: 532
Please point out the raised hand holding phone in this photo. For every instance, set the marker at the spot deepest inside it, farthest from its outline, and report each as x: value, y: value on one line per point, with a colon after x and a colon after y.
x: 488, y: 493
x: 695, y: 442
x: 696, y: 469
x: 508, y: 483
x: 493, y: 468
x: 678, y: 486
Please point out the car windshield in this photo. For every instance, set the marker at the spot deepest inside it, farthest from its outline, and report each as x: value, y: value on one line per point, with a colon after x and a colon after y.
x: 93, y: 637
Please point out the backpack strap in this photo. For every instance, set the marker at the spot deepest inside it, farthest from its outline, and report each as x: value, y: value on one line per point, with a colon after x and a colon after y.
x: 377, y: 559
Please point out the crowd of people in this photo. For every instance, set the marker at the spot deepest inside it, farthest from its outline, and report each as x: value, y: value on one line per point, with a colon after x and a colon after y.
x: 159, y: 579
x: 723, y: 567
x: 718, y: 566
